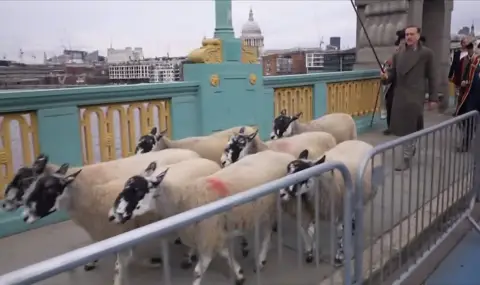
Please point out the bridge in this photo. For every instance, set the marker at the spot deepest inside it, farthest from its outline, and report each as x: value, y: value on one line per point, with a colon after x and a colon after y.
x: 224, y: 87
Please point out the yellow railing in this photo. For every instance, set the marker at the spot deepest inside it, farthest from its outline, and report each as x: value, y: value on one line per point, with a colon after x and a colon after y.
x: 112, y: 131
x: 451, y: 89
x: 18, y: 144
x: 294, y: 100
x: 355, y: 97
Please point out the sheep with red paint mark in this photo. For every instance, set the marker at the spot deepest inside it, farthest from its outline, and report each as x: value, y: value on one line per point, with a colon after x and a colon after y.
x: 209, y: 147
x: 341, y: 125
x: 87, y: 193
x: 209, y: 237
x: 242, y: 144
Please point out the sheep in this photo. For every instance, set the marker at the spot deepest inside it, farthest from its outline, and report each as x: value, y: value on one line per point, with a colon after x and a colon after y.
x: 135, y: 200
x: 340, y: 125
x: 209, y: 147
x: 242, y: 144
x: 90, y: 195
x: 331, y: 187
x: 209, y: 237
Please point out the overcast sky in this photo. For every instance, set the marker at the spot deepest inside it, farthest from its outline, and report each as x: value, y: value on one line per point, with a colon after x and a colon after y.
x: 176, y: 26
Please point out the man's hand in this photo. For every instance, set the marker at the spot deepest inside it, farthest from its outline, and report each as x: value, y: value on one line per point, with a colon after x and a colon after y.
x: 383, y: 75
x: 432, y: 105
x: 464, y: 83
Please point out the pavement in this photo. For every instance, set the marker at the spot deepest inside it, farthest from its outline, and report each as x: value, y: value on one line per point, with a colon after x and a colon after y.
x: 394, y: 201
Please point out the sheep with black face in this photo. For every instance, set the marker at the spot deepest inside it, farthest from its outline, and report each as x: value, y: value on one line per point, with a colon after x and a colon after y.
x: 209, y: 147
x: 242, y: 144
x: 154, y: 191
x: 340, y: 125
x: 87, y: 194
x: 331, y: 187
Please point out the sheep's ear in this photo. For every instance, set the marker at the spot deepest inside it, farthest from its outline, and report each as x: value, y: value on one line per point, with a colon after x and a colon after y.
x: 161, y: 134
x: 150, y: 168
x: 303, y: 154
x: 159, y: 178
x: 63, y: 169
x: 283, y: 112
x: 40, y: 163
x: 242, y: 130
x: 69, y: 179
x: 298, y: 115
x: 153, y: 131
x: 252, y: 136
x: 321, y: 160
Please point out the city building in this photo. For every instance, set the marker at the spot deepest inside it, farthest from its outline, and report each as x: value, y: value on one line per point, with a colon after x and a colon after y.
x: 284, y: 62
x: 330, y: 60
x: 307, y: 60
x: 165, y: 69
x: 75, y: 57
x: 252, y: 34
x: 115, y: 56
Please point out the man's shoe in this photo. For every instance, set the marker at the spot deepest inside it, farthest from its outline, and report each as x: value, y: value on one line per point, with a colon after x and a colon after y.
x: 404, y: 165
x: 387, y: 132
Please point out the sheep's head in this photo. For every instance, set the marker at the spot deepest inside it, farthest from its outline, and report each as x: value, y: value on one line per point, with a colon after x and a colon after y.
x: 137, y: 195
x: 24, y: 177
x: 45, y: 194
x: 295, y: 166
x: 282, y: 125
x: 148, y: 142
x: 236, y: 147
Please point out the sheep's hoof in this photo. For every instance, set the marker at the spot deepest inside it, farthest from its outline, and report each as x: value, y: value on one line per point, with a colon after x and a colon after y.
x: 337, y: 262
x: 309, y: 256
x: 156, y: 261
x: 178, y: 241
x: 194, y: 258
x: 245, y: 252
x: 274, y: 228
x: 240, y: 281
x: 260, y: 268
x: 89, y: 267
x: 186, y: 264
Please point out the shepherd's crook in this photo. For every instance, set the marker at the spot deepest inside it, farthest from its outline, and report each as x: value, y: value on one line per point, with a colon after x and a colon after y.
x: 376, y: 57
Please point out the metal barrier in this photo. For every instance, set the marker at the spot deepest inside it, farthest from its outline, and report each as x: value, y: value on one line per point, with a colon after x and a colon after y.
x: 419, y: 206
x: 285, y: 275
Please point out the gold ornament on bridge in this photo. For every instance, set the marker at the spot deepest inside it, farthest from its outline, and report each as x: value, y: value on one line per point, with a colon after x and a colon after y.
x: 210, y: 52
x: 249, y: 54
x: 3, y: 157
x: 253, y: 79
x: 215, y: 80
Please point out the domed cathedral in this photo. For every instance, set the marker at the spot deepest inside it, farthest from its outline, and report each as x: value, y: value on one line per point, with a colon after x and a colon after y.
x: 252, y: 34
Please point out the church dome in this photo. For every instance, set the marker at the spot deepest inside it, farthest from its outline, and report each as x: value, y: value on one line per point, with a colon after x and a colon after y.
x: 251, y: 29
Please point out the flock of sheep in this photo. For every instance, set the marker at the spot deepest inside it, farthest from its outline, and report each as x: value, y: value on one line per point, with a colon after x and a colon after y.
x: 168, y: 177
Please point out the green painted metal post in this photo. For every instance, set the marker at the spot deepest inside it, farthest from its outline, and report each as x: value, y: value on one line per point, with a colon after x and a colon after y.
x: 235, y: 99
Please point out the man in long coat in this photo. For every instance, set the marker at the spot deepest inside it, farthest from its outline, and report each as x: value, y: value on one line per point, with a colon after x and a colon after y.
x: 411, y: 67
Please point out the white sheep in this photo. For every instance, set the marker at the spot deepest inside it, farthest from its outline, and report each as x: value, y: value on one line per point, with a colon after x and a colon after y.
x: 209, y: 147
x: 330, y: 187
x: 87, y: 194
x: 210, y: 235
x: 137, y: 195
x: 340, y: 125
x: 242, y: 144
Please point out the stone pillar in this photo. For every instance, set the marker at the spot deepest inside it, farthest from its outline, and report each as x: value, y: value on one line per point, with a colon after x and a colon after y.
x: 381, y: 20
x: 231, y: 89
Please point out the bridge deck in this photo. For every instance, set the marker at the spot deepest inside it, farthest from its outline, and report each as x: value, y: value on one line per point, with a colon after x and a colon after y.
x: 36, y: 245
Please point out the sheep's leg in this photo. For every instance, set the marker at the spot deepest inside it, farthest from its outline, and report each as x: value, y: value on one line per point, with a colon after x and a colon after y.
x: 339, y: 253
x: 121, y: 268
x: 264, y: 247
x: 237, y: 269
x: 178, y: 241
x: 189, y: 258
x: 308, y: 241
x: 90, y: 266
x: 244, y: 244
x: 201, y: 267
